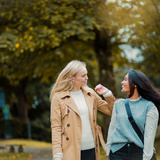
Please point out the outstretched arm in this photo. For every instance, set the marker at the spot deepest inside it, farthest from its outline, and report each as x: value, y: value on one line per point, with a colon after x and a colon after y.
x: 105, y: 106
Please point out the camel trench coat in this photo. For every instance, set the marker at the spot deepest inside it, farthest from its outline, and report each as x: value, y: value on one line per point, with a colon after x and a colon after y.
x: 66, y: 122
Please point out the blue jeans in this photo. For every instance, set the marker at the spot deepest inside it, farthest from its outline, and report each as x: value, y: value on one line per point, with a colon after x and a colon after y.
x: 129, y: 152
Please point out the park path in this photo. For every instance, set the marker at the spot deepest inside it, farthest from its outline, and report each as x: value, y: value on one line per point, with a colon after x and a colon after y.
x: 39, y: 153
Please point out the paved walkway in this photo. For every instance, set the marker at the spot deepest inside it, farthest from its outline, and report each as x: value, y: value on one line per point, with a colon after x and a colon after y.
x: 39, y: 153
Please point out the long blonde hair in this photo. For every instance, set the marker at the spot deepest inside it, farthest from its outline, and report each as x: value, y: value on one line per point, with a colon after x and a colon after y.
x: 63, y: 81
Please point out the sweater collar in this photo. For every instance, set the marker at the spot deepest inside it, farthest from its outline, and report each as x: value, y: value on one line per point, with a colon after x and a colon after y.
x: 135, y: 100
x: 86, y: 90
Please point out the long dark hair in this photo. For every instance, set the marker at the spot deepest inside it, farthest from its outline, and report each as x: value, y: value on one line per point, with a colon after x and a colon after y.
x: 144, y: 87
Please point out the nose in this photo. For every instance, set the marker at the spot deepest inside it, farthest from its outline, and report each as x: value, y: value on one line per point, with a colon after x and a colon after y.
x: 122, y: 82
x: 86, y: 77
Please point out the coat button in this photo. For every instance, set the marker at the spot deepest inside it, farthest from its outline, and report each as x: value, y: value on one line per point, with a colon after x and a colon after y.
x: 93, y: 120
x: 67, y: 138
x: 68, y: 110
x: 68, y: 125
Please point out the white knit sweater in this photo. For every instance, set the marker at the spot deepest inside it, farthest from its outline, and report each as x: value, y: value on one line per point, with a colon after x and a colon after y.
x: 87, y: 140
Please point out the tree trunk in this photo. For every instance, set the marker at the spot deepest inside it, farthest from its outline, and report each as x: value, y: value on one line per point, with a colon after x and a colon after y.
x: 103, y: 49
x: 19, y: 91
x: 22, y: 103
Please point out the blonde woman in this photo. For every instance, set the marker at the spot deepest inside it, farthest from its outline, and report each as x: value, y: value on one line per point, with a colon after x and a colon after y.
x: 73, y: 114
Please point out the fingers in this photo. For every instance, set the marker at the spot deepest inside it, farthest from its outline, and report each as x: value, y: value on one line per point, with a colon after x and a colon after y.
x: 98, y: 87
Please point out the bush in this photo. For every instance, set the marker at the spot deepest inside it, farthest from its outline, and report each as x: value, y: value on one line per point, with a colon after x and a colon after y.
x: 18, y: 129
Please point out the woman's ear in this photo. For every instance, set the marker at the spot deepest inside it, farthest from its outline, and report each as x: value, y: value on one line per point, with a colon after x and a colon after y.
x: 70, y: 77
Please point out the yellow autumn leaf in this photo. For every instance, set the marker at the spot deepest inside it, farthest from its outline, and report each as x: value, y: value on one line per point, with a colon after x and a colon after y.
x: 2, y: 14
x: 30, y: 28
x: 52, y: 35
x: 45, y: 28
x: 7, y: 28
x: 17, y: 45
x: 22, y: 51
x: 82, y: 9
x: 14, y: 157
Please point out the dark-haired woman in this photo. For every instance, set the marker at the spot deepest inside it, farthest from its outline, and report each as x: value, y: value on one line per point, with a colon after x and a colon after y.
x: 123, y: 142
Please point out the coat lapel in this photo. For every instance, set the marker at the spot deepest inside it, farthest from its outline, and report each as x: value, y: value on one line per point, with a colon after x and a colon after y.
x: 89, y: 100
x: 69, y: 101
x: 71, y: 104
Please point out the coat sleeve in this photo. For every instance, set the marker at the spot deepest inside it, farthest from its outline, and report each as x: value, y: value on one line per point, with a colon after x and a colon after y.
x: 56, y: 125
x: 105, y: 106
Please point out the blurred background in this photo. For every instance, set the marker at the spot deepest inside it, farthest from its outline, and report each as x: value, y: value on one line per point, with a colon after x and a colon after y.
x: 39, y: 37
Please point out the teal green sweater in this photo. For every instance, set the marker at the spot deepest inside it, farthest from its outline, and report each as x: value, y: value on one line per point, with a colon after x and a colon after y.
x: 124, y: 132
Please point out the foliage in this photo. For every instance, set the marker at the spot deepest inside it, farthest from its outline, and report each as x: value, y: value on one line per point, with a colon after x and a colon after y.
x: 38, y: 38
x: 138, y: 25
x: 18, y: 129
x: 146, y: 35
x: 33, y: 31
x: 16, y: 156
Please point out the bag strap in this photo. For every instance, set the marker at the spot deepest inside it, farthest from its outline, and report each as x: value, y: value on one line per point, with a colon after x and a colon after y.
x: 131, y: 120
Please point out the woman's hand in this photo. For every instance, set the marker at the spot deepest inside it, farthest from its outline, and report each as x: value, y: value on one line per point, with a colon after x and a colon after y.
x: 100, y: 89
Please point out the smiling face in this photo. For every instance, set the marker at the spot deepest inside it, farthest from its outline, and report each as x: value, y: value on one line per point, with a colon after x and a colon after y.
x: 125, y: 85
x: 80, y: 79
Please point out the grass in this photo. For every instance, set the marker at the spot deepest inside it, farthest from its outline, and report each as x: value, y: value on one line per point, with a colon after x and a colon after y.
x: 39, y: 144
x: 15, y: 156
x: 21, y: 156
x: 157, y: 146
x: 27, y: 143
x: 103, y: 154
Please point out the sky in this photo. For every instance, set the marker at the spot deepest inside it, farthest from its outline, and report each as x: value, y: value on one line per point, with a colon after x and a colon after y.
x: 128, y: 51
x: 131, y: 53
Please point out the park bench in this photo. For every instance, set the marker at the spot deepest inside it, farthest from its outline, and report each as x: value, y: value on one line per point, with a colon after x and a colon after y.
x: 12, y: 147
x: 2, y: 147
